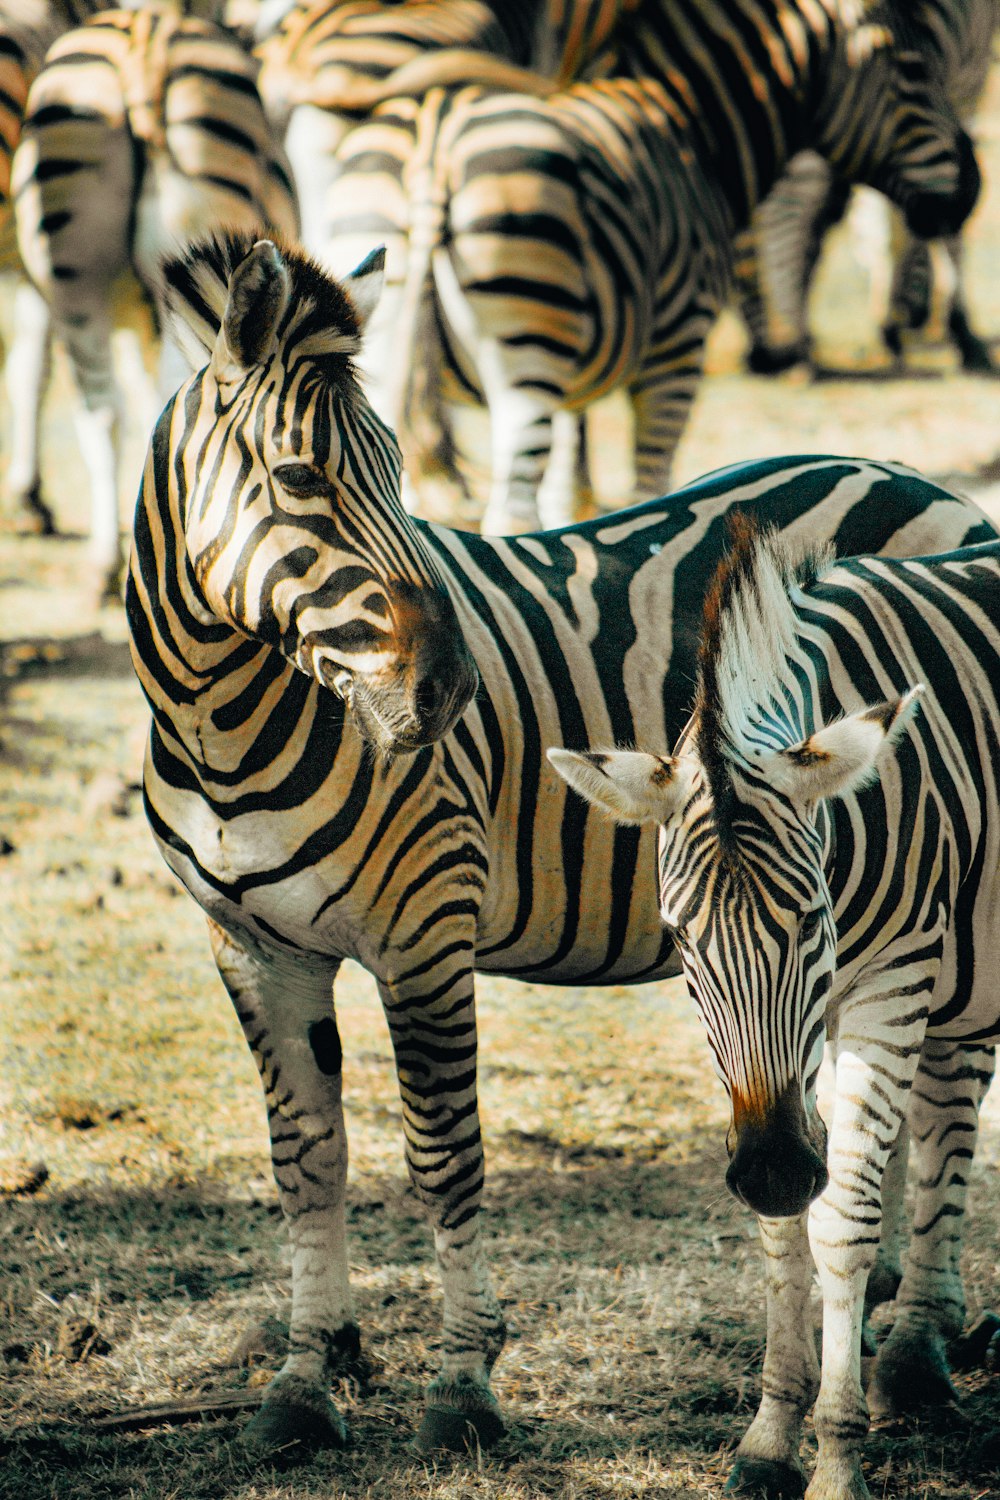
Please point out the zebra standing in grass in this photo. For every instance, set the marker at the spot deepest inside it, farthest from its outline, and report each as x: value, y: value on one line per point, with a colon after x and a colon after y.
x: 829, y: 865
x: 779, y: 255
x: 143, y: 130
x: 577, y: 242
x: 307, y: 650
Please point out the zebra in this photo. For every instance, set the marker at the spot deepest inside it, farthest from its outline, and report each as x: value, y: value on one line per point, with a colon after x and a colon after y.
x: 779, y: 253
x: 143, y: 129
x: 580, y: 241
x: 324, y: 69
x: 307, y: 649
x: 829, y: 865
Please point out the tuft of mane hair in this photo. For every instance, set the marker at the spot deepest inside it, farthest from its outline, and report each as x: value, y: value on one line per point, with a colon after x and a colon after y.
x: 321, y: 319
x: 748, y: 631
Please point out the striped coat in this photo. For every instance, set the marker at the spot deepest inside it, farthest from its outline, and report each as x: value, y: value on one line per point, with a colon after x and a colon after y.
x: 829, y: 865
x: 778, y: 257
x: 569, y: 244
x: 143, y: 129
x: 288, y: 619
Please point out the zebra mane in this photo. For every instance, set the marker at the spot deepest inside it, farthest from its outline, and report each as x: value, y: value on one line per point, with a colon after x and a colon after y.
x: 321, y: 320
x: 749, y: 627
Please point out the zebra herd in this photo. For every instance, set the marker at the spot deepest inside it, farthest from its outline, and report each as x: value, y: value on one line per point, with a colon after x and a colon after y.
x: 358, y: 717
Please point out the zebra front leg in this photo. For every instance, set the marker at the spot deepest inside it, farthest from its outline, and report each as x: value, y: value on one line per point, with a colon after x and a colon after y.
x: 876, y: 1063
x: 433, y: 1027
x: 767, y: 1460
x: 285, y: 1006
x: 912, y: 1368
x: 28, y: 367
x: 521, y: 445
x: 973, y: 351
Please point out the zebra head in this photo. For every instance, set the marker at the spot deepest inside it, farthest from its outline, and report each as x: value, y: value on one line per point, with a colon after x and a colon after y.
x: 293, y: 524
x: 886, y: 121
x: 744, y: 838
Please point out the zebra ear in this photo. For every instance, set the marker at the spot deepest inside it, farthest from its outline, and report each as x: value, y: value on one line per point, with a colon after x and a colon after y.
x: 259, y: 290
x: 843, y: 756
x: 628, y: 784
x: 365, y: 285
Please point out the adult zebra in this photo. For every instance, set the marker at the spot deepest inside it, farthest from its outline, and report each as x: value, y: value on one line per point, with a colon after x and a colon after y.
x: 778, y: 256
x: 143, y: 130
x: 286, y: 616
x: 574, y: 243
x: 829, y: 865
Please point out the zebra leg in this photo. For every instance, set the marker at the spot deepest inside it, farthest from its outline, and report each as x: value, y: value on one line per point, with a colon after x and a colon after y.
x: 912, y: 1368
x: 521, y: 427
x: 286, y: 1010
x: 29, y: 365
x: 434, y: 1039
x: 973, y: 351
x: 875, y: 1069
x: 767, y: 1459
x: 662, y: 396
x: 559, y: 503
x: 910, y: 294
x: 887, y: 1272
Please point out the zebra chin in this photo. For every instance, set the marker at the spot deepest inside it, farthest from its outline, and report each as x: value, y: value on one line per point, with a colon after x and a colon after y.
x: 394, y: 718
x: 776, y: 1168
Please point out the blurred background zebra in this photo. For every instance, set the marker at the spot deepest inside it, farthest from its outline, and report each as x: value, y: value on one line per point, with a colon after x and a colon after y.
x: 777, y: 259
x: 559, y: 247
x: 142, y: 129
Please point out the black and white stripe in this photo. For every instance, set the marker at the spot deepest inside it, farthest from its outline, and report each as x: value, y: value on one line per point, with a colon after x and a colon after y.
x: 143, y: 129
x: 568, y: 244
x: 778, y: 256
x: 295, y: 631
x: 829, y: 866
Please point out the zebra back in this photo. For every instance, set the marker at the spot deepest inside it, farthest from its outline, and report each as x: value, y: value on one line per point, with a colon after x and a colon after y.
x: 182, y: 92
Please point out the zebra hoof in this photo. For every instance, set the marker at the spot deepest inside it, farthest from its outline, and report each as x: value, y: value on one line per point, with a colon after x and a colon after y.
x: 767, y: 1477
x: 461, y: 1417
x: 911, y: 1376
x: 294, y: 1421
x: 30, y: 516
x: 979, y: 1347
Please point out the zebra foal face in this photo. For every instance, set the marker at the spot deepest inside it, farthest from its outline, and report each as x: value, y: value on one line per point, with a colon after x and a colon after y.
x: 292, y: 519
x: 742, y: 888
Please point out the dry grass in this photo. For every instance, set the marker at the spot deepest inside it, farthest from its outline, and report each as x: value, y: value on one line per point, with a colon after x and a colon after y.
x: 148, y: 1240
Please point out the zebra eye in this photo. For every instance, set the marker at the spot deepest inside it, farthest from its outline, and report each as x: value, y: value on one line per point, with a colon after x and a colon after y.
x: 300, y: 479
x: 810, y: 922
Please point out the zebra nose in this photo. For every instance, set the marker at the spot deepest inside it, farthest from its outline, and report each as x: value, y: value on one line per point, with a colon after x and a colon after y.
x: 777, y: 1174
x: 442, y: 688
x: 929, y: 215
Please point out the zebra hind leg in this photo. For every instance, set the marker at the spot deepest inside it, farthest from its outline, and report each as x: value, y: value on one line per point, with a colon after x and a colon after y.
x: 29, y: 362
x: 286, y: 1010
x: 912, y: 1369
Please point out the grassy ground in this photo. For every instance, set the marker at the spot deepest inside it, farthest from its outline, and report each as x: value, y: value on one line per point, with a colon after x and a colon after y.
x: 142, y: 1251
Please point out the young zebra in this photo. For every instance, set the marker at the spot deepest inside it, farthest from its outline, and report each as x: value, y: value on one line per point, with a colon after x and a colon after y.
x: 578, y: 242
x: 287, y: 619
x: 143, y: 130
x: 779, y: 254
x: 829, y: 866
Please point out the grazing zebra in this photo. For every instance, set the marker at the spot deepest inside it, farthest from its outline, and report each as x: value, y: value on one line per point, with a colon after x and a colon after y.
x: 302, y: 641
x: 578, y: 242
x: 143, y: 130
x: 779, y: 254
x: 829, y: 866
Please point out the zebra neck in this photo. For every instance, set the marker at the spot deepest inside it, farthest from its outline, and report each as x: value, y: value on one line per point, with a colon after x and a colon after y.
x: 744, y: 79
